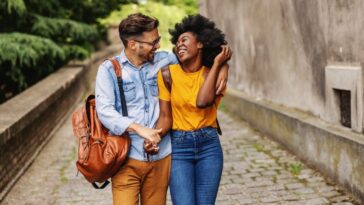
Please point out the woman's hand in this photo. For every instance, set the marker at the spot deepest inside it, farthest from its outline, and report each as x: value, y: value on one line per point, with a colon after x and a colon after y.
x: 223, y: 56
x: 150, y: 147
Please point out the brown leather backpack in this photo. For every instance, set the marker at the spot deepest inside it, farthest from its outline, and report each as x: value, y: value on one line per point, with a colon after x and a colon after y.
x: 100, y: 154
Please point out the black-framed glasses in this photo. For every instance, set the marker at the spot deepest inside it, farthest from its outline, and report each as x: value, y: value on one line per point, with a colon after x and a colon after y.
x: 153, y: 43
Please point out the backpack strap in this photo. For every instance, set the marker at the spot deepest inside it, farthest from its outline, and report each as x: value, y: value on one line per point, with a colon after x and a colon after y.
x: 118, y: 72
x: 167, y: 79
x: 96, y: 186
x: 218, y: 127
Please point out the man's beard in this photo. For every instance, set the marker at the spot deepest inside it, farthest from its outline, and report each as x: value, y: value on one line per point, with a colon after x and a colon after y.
x: 148, y: 56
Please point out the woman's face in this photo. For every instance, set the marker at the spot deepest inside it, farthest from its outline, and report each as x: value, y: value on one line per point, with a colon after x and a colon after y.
x: 187, y: 47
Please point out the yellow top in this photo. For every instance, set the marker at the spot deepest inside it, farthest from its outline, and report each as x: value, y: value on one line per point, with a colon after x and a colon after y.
x: 185, y: 86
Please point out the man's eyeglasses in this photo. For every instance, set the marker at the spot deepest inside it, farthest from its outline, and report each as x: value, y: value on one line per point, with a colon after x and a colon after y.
x: 153, y: 43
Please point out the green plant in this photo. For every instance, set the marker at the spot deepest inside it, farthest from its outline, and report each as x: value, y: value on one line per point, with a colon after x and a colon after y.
x: 37, y: 37
x: 258, y: 147
x: 222, y: 107
x: 20, y: 56
x: 295, y: 168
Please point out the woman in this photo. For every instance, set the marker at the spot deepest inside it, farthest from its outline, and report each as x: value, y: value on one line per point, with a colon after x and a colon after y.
x: 197, y: 157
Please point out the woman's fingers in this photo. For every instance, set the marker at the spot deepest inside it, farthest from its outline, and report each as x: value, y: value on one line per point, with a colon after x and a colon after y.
x: 226, y: 52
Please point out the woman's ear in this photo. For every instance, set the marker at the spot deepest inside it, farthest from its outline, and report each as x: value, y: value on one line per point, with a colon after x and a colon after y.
x: 199, y: 45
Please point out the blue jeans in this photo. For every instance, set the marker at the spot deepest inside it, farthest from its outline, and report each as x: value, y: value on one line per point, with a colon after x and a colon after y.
x: 197, y: 162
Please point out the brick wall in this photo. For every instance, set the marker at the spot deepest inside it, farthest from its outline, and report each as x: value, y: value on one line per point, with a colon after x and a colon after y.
x: 28, y: 120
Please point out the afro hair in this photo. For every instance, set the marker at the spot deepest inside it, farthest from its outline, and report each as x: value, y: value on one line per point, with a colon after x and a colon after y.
x: 206, y: 32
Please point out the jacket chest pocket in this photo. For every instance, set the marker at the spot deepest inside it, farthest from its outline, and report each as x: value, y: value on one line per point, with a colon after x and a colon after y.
x: 129, y: 91
x: 153, y: 86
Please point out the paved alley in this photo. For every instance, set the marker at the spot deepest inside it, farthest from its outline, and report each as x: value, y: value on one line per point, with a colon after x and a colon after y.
x: 256, y: 171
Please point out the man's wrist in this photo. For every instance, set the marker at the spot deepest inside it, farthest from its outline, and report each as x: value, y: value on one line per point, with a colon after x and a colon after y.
x: 134, y: 127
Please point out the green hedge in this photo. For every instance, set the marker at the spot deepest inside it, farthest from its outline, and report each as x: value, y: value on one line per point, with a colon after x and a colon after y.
x: 38, y: 36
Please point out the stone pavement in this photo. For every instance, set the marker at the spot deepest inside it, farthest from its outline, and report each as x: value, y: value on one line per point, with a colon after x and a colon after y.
x: 256, y: 171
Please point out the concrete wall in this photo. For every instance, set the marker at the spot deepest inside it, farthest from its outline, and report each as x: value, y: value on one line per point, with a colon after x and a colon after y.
x: 335, y: 151
x: 281, y: 47
x: 277, y: 78
x: 28, y: 120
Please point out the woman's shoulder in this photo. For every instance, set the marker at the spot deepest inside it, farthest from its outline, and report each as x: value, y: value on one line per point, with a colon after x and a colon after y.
x: 174, y: 68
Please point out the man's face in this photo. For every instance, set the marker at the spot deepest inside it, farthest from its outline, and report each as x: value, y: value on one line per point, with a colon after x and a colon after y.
x: 146, y: 45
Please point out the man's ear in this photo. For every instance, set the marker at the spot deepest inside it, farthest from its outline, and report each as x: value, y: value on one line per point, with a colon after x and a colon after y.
x: 131, y: 45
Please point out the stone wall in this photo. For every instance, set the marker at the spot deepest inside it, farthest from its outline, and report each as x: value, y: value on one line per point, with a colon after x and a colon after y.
x: 335, y: 151
x: 28, y: 120
x: 281, y: 47
x: 279, y: 80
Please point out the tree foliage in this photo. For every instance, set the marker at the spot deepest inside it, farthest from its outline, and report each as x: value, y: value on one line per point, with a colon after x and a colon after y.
x: 39, y: 36
x: 62, y: 30
x: 168, y: 12
x: 189, y: 6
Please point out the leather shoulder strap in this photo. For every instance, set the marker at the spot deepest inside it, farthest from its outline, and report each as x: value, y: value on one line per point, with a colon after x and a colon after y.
x: 167, y: 79
x: 117, y: 68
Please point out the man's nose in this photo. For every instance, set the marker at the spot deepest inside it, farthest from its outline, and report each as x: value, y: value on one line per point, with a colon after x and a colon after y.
x: 157, y: 46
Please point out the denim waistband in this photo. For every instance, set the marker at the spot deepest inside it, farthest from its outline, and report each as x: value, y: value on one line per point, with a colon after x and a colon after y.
x: 198, y: 131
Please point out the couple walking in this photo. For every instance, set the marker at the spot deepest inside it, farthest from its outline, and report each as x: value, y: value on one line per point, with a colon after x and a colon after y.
x: 175, y: 121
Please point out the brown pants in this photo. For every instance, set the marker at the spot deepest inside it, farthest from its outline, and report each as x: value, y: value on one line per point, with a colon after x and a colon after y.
x: 149, y: 179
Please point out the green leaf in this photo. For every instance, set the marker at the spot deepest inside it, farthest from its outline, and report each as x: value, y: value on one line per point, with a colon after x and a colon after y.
x: 27, y: 50
x: 75, y: 52
x: 64, y: 30
x: 16, y: 6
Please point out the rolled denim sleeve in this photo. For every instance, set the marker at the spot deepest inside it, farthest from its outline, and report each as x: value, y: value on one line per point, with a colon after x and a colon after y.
x: 105, y: 101
x: 172, y: 58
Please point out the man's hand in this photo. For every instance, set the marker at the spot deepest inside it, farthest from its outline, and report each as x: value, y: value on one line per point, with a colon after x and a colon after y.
x: 150, y: 134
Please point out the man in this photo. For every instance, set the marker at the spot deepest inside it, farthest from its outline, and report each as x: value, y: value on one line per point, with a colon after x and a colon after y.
x: 148, y: 119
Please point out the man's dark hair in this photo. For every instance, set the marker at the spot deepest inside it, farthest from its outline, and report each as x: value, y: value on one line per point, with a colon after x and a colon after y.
x: 206, y: 33
x: 135, y: 24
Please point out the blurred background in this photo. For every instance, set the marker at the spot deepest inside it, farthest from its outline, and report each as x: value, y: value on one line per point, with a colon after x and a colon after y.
x: 37, y: 37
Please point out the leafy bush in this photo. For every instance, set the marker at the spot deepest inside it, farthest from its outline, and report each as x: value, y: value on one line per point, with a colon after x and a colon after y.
x: 37, y: 37
x: 25, y: 59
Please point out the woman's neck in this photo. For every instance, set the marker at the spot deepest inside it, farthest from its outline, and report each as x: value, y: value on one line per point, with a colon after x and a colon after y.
x: 192, y: 65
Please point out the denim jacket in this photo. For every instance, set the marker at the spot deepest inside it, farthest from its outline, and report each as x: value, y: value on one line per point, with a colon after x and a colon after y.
x: 142, y: 100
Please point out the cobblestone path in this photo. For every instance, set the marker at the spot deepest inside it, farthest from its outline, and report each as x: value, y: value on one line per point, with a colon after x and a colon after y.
x: 256, y: 171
